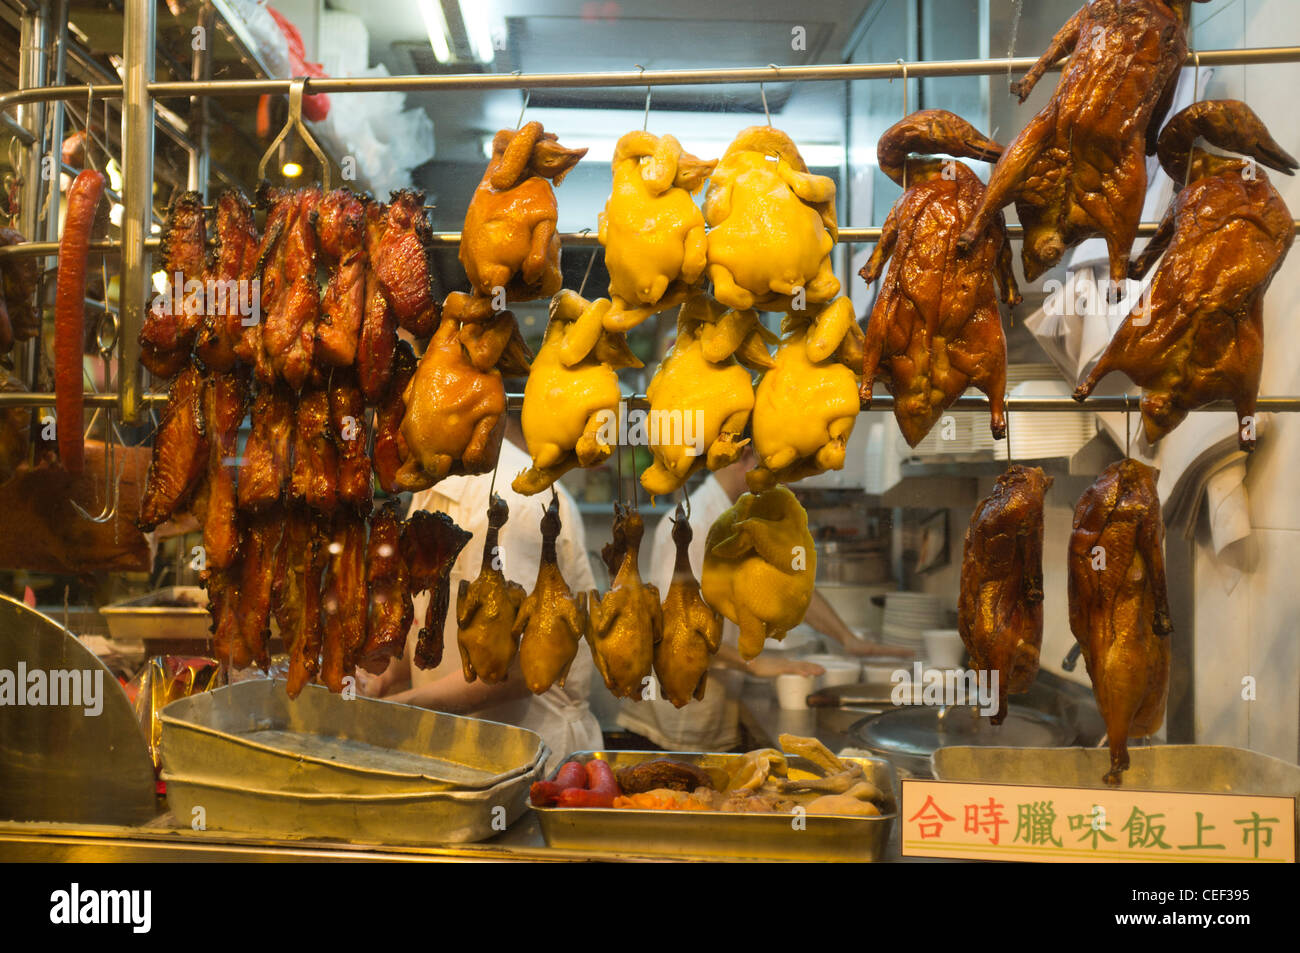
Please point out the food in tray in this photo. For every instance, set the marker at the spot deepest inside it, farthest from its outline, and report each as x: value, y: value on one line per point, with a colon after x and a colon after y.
x: 1078, y: 169
x: 1119, y: 606
x: 571, y: 400
x: 430, y: 544
x: 692, y: 632
x: 1198, y: 335
x: 662, y: 773
x: 509, y: 241
x: 1000, y: 600
x: 486, y: 608
x: 759, y: 566
x: 807, y: 402
x: 702, y: 393
x: 627, y: 622
x: 234, y: 260
x: 168, y: 332
x: 341, y: 229
x: 771, y: 225
x: 19, y: 320
x: 935, y: 328
x: 652, y: 230
x: 552, y: 620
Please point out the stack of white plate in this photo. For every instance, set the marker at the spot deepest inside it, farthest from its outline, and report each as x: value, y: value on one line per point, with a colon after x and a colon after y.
x: 969, y: 434
x: 907, y: 615
x: 1037, y: 436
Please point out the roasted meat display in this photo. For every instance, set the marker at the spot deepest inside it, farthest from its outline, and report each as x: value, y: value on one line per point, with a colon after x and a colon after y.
x: 486, y: 608
x: 341, y: 231
x: 935, y: 328
x: 1078, y: 169
x: 692, y: 631
x: 807, y: 402
x: 390, y: 450
x: 703, y: 391
x: 287, y: 264
x: 627, y: 622
x: 1000, y: 603
x: 430, y: 544
x: 168, y: 332
x: 225, y: 403
x: 180, y: 452
x: 652, y: 230
x: 388, y: 587
x: 400, y: 261
x: 1198, y: 336
x: 232, y: 306
x: 551, y: 620
x: 1119, y: 607
x: 344, y: 603
x: 378, y: 335
x: 509, y: 240
x: 771, y: 225
x: 759, y: 566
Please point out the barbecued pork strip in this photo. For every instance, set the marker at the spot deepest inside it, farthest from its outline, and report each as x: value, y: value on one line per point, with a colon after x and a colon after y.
x: 388, y: 585
x: 343, y: 600
x: 390, y: 450
x: 315, y: 453
x: 290, y: 293
x: 265, y: 467
x: 341, y: 228
x: 401, y: 262
x: 168, y: 332
x: 348, y: 422
x: 180, y: 452
x: 297, y: 594
x: 234, y: 298
x: 225, y: 403
x: 222, y: 586
x: 256, y: 577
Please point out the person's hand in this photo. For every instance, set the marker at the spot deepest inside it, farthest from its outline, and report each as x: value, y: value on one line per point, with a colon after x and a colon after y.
x: 369, y: 686
x: 768, y: 667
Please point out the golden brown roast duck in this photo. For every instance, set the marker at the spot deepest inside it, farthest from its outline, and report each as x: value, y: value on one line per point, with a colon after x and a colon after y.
x: 652, y: 230
x: 486, y: 608
x: 509, y: 241
x: 805, y: 405
x: 692, y: 631
x: 1198, y: 336
x: 571, y: 398
x: 627, y: 622
x: 1000, y: 603
x: 455, y: 403
x: 702, y: 392
x: 936, y: 329
x: 759, y: 566
x: 1078, y: 169
x: 771, y: 225
x: 552, y: 620
x: 1119, y: 606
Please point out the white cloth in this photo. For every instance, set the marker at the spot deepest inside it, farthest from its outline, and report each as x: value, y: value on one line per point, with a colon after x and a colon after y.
x: 713, y: 722
x: 561, y: 716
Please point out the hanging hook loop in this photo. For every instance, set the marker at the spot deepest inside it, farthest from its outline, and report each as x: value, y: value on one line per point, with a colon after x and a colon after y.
x: 297, y: 89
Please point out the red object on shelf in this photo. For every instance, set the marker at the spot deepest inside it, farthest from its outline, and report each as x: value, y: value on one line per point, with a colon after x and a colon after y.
x: 315, y: 106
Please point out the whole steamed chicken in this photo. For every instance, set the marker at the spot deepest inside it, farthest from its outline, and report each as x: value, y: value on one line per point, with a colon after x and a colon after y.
x: 552, y: 620
x: 627, y: 622
x: 759, y: 566
x: 703, y: 391
x: 771, y: 225
x: 806, y: 404
x: 652, y: 230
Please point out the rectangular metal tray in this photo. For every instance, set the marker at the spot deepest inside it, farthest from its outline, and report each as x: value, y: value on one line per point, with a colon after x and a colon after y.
x: 718, y: 834
x: 429, y: 817
x: 321, y: 743
x: 1199, y: 769
x: 144, y: 618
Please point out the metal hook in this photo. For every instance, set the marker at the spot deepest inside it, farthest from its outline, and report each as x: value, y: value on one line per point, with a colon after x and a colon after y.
x: 1196, y: 95
x: 762, y: 92
x: 528, y: 94
x: 903, y: 64
x: 686, y: 502
x: 112, y: 479
x: 1128, y: 437
x: 645, y: 123
x: 296, y: 90
x: 587, y: 274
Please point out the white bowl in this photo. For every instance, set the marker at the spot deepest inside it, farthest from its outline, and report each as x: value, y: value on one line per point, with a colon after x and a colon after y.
x: 839, y: 669
x: 943, y: 648
x: 792, y: 690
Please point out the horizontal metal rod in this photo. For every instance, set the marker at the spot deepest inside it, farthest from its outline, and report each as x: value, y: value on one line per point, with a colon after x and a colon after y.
x: 450, y: 239
x: 621, y: 78
x: 976, y: 403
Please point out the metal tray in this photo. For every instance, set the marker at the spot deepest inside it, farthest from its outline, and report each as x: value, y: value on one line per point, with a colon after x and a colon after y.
x: 144, y: 618
x: 719, y: 834
x: 322, y: 743
x: 1198, y: 769
x: 428, y: 817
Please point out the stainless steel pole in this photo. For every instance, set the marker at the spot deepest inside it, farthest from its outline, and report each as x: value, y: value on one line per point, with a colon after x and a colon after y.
x: 201, y: 72
x: 137, y: 196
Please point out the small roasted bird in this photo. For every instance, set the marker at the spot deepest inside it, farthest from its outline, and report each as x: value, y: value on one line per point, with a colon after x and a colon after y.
x: 168, y: 332
x: 234, y: 299
x: 702, y: 392
x: 1198, y: 336
x: 627, y: 624
x: 570, y: 412
x: 1078, y: 169
x: 771, y: 225
x: 486, y: 609
x: 509, y: 239
x: 692, y: 631
x: 551, y: 620
x: 430, y: 544
x: 180, y: 452
x: 402, y: 264
x: 806, y: 404
x: 1119, y: 606
x: 759, y: 566
x: 935, y: 329
x: 341, y: 230
x: 652, y: 230
x: 1000, y: 603
x: 388, y: 587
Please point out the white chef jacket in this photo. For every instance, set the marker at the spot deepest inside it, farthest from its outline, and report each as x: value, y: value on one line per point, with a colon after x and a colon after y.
x: 713, y: 722
x: 560, y: 715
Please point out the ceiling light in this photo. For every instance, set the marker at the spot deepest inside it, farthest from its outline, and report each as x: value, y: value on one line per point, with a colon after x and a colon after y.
x: 291, y: 169
x: 478, y: 27
x: 435, y: 23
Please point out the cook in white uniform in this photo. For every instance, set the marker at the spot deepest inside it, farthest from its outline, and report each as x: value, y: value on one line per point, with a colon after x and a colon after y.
x: 713, y: 723
x: 560, y: 715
